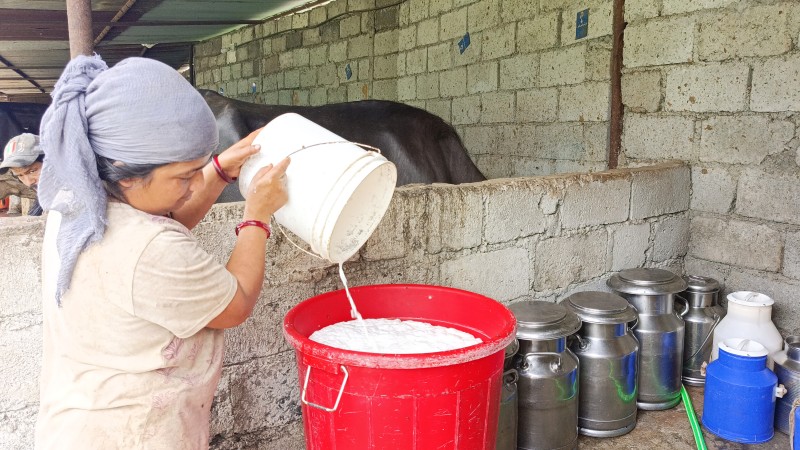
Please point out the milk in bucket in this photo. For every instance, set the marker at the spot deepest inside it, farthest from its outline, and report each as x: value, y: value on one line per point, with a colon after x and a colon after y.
x: 338, y: 192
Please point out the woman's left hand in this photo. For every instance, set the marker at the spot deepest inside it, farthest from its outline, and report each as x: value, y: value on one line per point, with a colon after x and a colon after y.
x: 232, y: 159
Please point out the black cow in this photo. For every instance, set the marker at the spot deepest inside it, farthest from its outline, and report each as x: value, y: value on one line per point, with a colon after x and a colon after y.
x: 424, y: 147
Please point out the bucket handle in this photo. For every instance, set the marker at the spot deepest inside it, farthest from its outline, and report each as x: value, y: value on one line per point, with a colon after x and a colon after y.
x: 338, y: 397
x: 280, y: 228
x: 717, y: 319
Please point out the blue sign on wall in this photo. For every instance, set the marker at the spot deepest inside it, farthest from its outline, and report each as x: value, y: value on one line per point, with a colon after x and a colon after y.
x: 348, y: 72
x: 463, y: 43
x: 582, y: 24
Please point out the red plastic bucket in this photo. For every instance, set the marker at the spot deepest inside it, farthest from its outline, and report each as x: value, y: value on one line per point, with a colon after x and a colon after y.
x: 444, y: 400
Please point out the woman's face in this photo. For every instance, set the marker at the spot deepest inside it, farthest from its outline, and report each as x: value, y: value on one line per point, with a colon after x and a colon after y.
x: 167, y: 189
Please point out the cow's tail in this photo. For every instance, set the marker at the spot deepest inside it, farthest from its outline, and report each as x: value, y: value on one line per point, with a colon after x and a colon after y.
x: 461, y: 167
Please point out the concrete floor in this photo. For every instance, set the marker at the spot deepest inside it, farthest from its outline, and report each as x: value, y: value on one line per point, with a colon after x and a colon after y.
x: 656, y: 430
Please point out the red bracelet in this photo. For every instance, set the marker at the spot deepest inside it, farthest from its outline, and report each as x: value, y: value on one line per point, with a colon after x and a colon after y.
x: 220, y: 172
x: 254, y: 223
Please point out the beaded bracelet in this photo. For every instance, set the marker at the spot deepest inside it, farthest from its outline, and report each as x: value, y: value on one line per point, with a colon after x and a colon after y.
x: 220, y: 172
x: 254, y: 223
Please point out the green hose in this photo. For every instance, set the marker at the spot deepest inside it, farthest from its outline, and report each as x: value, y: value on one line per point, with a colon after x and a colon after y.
x: 696, y: 431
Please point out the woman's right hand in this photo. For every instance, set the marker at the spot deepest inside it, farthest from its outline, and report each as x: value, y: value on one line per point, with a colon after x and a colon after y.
x: 267, y: 192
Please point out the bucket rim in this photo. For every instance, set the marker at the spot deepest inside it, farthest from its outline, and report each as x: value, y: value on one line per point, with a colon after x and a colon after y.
x: 326, y: 353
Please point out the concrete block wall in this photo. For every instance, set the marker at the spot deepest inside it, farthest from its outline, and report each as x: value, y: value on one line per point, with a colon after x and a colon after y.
x: 567, y: 233
x: 527, y: 97
x: 717, y: 84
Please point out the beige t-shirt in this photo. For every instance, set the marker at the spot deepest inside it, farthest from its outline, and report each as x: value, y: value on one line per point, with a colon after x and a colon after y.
x: 128, y: 362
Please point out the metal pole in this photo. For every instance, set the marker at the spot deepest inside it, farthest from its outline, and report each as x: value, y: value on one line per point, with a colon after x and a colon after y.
x: 79, y: 23
x: 617, y: 109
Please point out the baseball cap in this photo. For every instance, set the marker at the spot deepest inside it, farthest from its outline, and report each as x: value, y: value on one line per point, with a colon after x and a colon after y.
x: 21, y: 151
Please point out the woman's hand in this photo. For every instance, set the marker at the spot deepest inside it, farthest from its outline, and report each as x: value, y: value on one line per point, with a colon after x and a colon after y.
x: 232, y: 159
x: 267, y: 192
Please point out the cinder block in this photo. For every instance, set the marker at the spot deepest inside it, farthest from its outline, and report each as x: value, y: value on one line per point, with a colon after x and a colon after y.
x: 641, y: 91
x: 514, y: 10
x: 658, y: 42
x: 407, y: 38
x: 599, y: 20
x: 472, y: 55
x: 319, y: 96
x: 598, y: 59
x: 591, y: 201
x: 527, y: 220
x: 283, y: 24
x: 713, y: 189
x: 539, y: 33
x: 350, y: 25
x: 641, y: 9
x: 337, y: 52
x: 499, y: 41
x: 658, y: 137
x: 735, y: 242
x: 438, y: 7
x: 558, y: 141
x: 318, y: 55
x: 775, y: 85
x: 769, y: 196
x: 406, y: 88
x: 453, y: 24
x: 659, y: 190
x: 519, y: 72
x: 743, y: 139
x: 385, y: 90
x: 630, y: 244
x: 301, y: 57
x: 359, y: 46
x: 536, y: 105
x: 596, y: 142
x: 710, y: 269
x: 466, y: 110
x: 417, y: 61
x: 682, y: 6
x: 712, y: 87
x: 385, y: 67
x: 455, y: 218
x: 388, y: 241
x: 439, y: 107
x: 360, y: 5
x: 386, y: 42
x: 308, y: 77
x: 500, y: 274
x: 418, y: 10
x: 311, y: 36
x: 264, y: 392
x: 482, y: 77
x: 357, y: 91
x: 401, y: 64
x: 566, y: 260
x: 756, y: 31
x: 291, y: 79
x: 483, y: 14
x: 497, y: 107
x: 317, y: 16
x: 670, y: 238
x: 428, y: 85
x: 440, y: 57
x: 327, y: 75
x: 565, y: 166
x: 300, y: 20
x: 791, y: 255
x: 584, y: 102
x: 786, y: 310
x: 453, y: 83
x: 428, y: 31
x: 562, y: 66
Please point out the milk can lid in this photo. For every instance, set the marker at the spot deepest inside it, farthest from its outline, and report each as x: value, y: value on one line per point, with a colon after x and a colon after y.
x: 701, y: 284
x: 645, y: 281
x: 748, y: 298
x: 600, y: 307
x: 544, y: 320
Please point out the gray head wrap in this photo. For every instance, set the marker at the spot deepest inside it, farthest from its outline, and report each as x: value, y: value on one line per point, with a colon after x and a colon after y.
x: 140, y: 111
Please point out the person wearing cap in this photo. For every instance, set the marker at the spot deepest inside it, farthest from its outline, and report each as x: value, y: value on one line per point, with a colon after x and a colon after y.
x: 133, y: 308
x: 23, y: 156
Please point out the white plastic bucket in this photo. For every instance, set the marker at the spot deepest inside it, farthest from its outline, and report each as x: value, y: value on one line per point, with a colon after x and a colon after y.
x: 338, y: 192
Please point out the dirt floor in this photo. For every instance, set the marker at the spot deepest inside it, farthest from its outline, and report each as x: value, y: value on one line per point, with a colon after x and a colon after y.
x: 656, y: 430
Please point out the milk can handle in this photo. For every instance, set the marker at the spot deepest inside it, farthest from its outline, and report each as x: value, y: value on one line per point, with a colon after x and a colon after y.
x: 554, y: 365
x: 717, y: 319
x: 338, y: 397
x: 685, y: 305
x: 510, y: 376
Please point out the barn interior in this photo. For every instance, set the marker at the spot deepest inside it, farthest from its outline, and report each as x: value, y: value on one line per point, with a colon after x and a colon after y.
x: 651, y: 133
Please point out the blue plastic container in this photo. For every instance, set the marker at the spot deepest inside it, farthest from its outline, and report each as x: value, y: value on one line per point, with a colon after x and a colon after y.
x: 739, y: 399
x: 796, y: 437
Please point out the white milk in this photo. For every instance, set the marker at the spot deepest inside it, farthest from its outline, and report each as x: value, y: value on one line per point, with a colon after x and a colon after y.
x: 393, y: 336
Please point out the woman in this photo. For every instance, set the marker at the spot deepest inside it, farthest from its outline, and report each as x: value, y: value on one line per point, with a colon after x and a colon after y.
x: 133, y: 308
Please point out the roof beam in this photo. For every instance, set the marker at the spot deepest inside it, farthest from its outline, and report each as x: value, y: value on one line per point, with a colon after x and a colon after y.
x: 22, y: 74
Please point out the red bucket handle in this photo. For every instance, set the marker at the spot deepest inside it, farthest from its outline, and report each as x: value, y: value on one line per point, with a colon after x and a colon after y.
x: 338, y: 397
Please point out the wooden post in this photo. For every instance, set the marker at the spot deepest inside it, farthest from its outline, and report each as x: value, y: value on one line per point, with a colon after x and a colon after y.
x: 79, y: 23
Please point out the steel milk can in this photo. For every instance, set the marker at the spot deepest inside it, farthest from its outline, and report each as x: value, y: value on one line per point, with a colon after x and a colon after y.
x: 507, y: 421
x: 548, y: 376
x: 609, y: 359
x: 701, y: 314
x: 787, y: 368
x: 659, y: 332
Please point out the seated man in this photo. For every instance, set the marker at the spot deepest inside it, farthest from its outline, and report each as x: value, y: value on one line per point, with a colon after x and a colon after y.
x: 24, y: 157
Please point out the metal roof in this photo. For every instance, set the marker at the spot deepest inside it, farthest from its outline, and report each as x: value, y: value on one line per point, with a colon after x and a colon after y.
x: 34, y: 44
